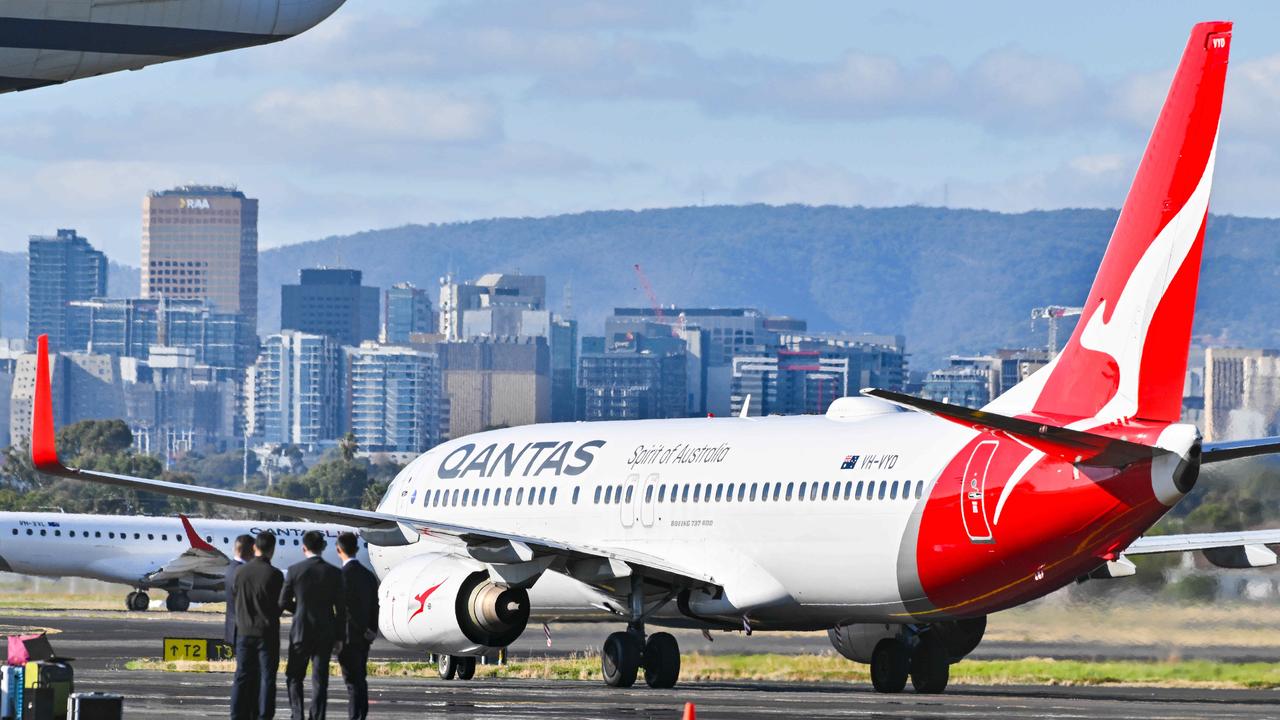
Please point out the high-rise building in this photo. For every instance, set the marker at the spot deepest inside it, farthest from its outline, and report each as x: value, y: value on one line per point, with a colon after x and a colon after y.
x: 1241, y: 393
x: 967, y: 381
x: 294, y: 390
x: 174, y: 405
x: 332, y: 302
x: 637, y: 377
x: 496, y: 305
x: 60, y: 270
x: 200, y: 242
x: 83, y: 386
x: 494, y: 382
x: 406, y: 312
x: 564, y: 369
x: 132, y: 327
x: 730, y: 329
x: 398, y: 403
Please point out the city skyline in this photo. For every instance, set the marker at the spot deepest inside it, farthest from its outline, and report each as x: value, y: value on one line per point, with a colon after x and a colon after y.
x: 495, y: 110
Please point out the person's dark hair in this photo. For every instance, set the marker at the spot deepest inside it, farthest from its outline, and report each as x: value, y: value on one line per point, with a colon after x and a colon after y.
x: 313, y: 541
x: 347, y: 544
x: 244, y: 547
x: 266, y: 542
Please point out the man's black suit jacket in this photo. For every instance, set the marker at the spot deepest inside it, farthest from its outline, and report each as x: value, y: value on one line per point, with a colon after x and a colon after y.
x: 313, y: 593
x: 360, y: 591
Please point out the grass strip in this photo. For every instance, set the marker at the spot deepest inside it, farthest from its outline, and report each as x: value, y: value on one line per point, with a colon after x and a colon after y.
x: 832, y: 668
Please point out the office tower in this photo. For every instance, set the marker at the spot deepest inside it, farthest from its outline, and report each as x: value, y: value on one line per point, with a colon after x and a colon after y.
x: 406, y: 310
x: 134, y: 327
x: 332, y: 302
x: 397, y: 399
x: 200, y: 242
x: 62, y: 269
x: 83, y: 386
x: 294, y: 390
x: 496, y: 305
x: 564, y: 369
x: 1241, y: 393
x: 494, y: 382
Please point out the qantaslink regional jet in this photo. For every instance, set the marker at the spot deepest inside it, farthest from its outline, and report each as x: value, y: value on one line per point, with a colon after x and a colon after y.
x: 895, y: 523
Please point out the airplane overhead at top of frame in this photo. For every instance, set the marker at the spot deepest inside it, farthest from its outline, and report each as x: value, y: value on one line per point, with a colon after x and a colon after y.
x: 897, y: 524
x: 46, y: 42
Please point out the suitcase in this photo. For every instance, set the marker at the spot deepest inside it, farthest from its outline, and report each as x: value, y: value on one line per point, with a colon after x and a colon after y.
x: 10, y: 691
x: 38, y: 704
x: 95, y: 706
x: 51, y: 675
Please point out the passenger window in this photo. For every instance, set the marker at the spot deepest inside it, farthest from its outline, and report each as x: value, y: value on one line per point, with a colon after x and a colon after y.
x: 777, y: 491
x: 648, y: 494
x: 72, y: 533
x: 883, y: 486
x: 742, y: 491
x: 662, y: 492
x: 552, y: 499
x: 98, y: 534
x: 803, y: 486
x: 825, y: 487
x: 617, y: 493
x: 608, y: 495
x: 43, y: 533
x: 630, y: 490
x: 752, y: 498
x: 919, y: 489
x: 791, y: 486
x: 597, y: 495
x: 893, y: 490
x: 706, y: 493
x: 542, y: 495
x: 111, y: 536
x: 697, y: 492
x: 466, y: 497
x: 520, y: 496
x: 848, y: 489
x: 719, y: 491
x: 684, y: 497
x: 485, y: 501
x: 575, y: 494
x: 857, y: 493
x: 164, y: 537
x: 57, y: 533
x: 728, y: 495
x: 906, y: 490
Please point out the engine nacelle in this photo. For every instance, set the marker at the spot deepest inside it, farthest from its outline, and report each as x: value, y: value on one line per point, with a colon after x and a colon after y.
x: 445, y: 605
x: 859, y: 640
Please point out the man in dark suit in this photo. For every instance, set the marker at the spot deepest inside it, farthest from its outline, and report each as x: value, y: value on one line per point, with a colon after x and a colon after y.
x: 257, y: 599
x: 243, y: 554
x: 360, y: 591
x: 313, y: 593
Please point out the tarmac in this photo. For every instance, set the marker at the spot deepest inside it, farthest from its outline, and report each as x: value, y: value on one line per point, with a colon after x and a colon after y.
x: 103, y: 641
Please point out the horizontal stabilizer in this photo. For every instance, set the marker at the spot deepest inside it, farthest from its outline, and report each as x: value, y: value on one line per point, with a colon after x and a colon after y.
x: 1081, y: 448
x: 1221, y: 451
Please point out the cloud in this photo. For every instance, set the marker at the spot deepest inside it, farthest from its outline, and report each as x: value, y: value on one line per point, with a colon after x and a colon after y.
x: 392, y: 114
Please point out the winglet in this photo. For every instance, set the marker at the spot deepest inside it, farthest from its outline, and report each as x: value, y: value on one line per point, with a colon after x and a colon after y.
x: 194, y: 538
x: 44, y: 448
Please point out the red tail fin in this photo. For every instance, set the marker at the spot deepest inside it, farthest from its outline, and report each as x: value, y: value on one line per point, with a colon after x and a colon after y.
x: 1128, y: 354
x: 44, y: 449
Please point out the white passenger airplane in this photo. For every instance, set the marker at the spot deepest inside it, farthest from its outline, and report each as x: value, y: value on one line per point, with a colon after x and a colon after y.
x: 895, y: 523
x: 146, y: 553
x: 46, y: 42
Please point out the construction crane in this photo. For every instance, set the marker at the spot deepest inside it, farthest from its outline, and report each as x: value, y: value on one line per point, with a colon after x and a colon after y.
x: 658, y: 314
x: 1053, y: 313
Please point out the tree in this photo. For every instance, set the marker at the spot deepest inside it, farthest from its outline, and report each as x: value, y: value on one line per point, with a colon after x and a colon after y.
x: 347, y: 446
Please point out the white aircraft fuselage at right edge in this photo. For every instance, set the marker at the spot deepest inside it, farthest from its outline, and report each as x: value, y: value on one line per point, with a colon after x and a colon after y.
x: 896, y: 523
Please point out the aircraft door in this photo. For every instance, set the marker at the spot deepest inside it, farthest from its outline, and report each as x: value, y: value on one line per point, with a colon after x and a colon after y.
x: 628, y: 506
x: 647, y: 499
x: 973, y: 489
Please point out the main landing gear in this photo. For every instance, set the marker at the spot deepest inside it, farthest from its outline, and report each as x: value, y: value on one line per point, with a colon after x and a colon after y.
x: 177, y: 602
x: 462, y: 667
x: 137, y: 601
x: 923, y: 658
x: 628, y: 652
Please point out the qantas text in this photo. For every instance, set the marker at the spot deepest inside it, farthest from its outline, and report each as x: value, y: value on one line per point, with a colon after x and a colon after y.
x: 527, y: 459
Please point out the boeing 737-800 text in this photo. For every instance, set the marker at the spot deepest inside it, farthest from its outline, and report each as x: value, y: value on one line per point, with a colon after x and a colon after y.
x: 897, y: 524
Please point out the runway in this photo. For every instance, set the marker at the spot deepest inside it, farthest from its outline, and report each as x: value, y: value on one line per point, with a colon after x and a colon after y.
x: 103, y: 641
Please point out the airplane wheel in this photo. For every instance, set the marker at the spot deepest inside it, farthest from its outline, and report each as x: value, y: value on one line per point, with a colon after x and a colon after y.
x: 447, y: 666
x: 889, y: 666
x: 661, y: 661
x: 930, y: 666
x: 466, y: 668
x: 177, y: 602
x: 138, y: 601
x: 620, y: 660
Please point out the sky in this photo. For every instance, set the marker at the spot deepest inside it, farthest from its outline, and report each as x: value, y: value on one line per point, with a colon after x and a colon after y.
x: 421, y: 111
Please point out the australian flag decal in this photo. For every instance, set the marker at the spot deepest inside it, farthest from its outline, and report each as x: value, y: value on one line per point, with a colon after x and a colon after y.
x: 850, y: 462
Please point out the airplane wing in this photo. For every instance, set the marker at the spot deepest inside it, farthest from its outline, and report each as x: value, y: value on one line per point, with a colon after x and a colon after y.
x: 1153, y: 544
x: 1221, y: 451
x: 379, y: 528
x: 200, y: 558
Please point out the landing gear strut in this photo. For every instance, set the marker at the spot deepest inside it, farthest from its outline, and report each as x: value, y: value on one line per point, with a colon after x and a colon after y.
x: 137, y: 601
x: 626, y: 653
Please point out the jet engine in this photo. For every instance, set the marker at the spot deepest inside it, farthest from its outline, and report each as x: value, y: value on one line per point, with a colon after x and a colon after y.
x: 447, y: 605
x: 858, y: 641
